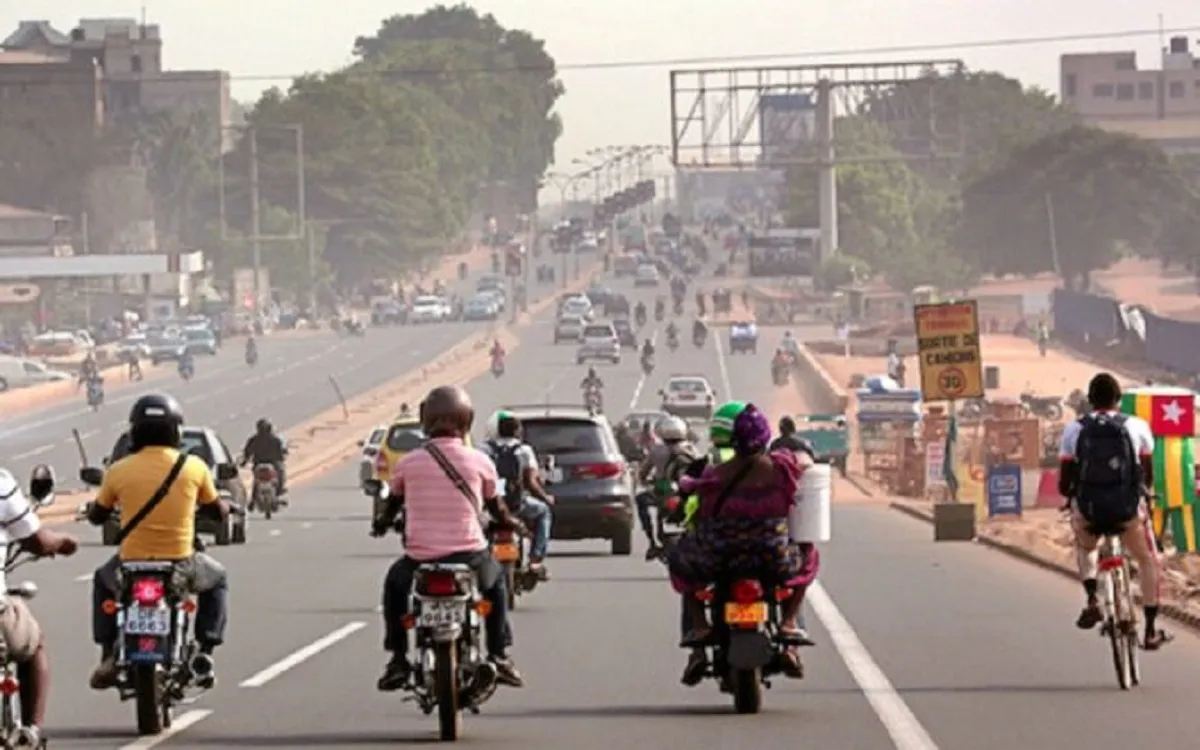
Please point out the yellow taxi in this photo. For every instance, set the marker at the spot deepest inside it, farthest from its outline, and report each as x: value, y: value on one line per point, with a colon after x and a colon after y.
x: 404, y: 435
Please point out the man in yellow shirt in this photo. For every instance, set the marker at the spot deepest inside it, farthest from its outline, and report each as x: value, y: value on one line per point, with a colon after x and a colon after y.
x: 166, y: 532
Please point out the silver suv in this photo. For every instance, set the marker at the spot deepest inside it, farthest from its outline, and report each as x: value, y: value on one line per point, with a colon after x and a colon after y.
x: 599, y: 341
x: 568, y: 328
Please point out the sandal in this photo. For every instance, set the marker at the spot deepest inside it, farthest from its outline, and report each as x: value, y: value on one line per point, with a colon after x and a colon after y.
x: 791, y: 665
x: 697, y: 666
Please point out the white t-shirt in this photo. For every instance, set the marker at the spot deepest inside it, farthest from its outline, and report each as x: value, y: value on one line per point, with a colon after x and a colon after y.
x: 1138, y: 429
x: 526, y: 457
x: 17, y: 519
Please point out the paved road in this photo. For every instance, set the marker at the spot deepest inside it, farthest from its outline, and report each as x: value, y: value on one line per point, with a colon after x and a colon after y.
x: 920, y: 646
x: 289, y: 385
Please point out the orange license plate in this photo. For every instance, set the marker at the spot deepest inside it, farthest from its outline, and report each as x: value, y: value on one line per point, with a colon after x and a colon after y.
x: 745, y: 614
x: 505, y: 553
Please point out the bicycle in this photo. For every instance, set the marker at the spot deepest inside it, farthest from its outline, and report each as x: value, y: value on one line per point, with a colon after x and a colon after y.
x: 1120, y: 622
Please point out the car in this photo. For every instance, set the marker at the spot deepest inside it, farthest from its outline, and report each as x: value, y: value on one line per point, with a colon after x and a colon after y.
x: 481, y: 307
x: 646, y: 275
x: 497, y: 298
x: 200, y: 340
x: 165, y: 347
x: 583, y: 468
x: 429, y: 309
x: 688, y: 396
x: 616, y: 304
x: 490, y: 282
x: 206, y: 444
x: 597, y: 294
x: 626, y: 336
x: 568, y: 328
x: 626, y: 265
x: 599, y: 341
x: 743, y: 338
x: 400, y: 438
x: 578, y: 306
x: 16, y: 372
x: 135, y: 344
x: 370, y: 449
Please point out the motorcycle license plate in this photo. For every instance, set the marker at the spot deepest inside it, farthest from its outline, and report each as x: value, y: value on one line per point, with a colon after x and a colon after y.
x: 439, y: 614
x: 505, y: 552
x: 141, y: 621
x: 552, y: 475
x: 745, y: 614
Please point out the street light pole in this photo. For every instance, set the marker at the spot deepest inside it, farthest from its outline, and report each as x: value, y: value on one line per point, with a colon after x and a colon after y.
x: 255, y: 228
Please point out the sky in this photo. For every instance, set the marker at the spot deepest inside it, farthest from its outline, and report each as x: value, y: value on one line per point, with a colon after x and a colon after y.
x: 265, y: 42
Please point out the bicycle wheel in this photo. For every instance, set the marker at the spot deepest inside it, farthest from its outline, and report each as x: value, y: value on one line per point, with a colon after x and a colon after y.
x: 1115, y: 626
x: 1130, y: 623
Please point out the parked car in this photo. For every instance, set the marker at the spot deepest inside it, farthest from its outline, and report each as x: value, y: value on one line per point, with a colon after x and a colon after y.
x: 17, y: 372
x: 429, y: 309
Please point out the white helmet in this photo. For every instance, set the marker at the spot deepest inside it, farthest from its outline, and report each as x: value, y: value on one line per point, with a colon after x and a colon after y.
x: 492, y: 431
x: 671, y: 428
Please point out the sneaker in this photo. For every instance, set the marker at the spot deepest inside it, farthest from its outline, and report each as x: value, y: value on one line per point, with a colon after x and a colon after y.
x: 104, y: 676
x: 693, y: 671
x: 506, y: 672
x: 1089, y: 617
x: 654, y: 552
x: 395, y: 676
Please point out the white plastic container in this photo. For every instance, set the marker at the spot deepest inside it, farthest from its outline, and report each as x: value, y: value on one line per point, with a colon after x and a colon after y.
x: 811, y: 518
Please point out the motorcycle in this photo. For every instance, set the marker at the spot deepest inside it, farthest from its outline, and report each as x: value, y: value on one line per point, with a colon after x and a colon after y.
x: 647, y: 365
x: 699, y: 338
x: 639, y: 317
x: 378, y: 492
x: 779, y: 374
x: 13, y: 732
x: 678, y: 306
x: 264, y: 496
x: 95, y: 393
x: 593, y: 399
x: 659, y: 313
x: 672, y: 341
x: 186, y: 370
x: 508, y: 549
x: 462, y: 271
x: 355, y: 328
x: 1046, y: 407
x: 747, y: 646
x: 497, y: 366
x: 251, y: 357
x: 452, y: 672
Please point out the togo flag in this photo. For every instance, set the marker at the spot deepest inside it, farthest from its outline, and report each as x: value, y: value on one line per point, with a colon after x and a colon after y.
x: 1174, y: 472
x: 1170, y: 412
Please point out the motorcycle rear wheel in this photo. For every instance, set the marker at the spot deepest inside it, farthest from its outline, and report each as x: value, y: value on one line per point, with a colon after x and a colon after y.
x: 148, y: 699
x: 445, y: 681
x: 747, y: 690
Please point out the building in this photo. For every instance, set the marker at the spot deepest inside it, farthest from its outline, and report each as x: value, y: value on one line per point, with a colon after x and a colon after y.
x: 130, y: 55
x: 1109, y: 91
x: 37, y: 91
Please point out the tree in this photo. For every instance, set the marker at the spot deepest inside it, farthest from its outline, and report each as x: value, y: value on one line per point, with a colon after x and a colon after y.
x: 1103, y: 191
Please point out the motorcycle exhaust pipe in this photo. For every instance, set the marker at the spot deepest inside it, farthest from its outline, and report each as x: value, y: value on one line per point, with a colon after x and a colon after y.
x: 202, y: 665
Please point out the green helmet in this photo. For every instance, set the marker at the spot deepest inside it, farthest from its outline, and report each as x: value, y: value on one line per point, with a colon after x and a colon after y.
x: 720, y: 431
x: 493, y: 423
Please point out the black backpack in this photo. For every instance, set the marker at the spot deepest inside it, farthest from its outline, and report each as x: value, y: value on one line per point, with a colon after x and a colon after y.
x: 508, y: 467
x: 1110, y: 475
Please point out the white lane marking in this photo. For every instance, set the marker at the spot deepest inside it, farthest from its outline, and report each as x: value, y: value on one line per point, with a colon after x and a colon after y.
x: 275, y: 532
x: 31, y: 453
x: 296, y: 658
x: 181, y: 722
x: 897, y: 718
x: 306, y: 525
x: 85, y: 578
x: 725, y: 383
x: 641, y: 383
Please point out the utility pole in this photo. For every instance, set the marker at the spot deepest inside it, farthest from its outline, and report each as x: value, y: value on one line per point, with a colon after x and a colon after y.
x: 310, y: 236
x: 255, y: 228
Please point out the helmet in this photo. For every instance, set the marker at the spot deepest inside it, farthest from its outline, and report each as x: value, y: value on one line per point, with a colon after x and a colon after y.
x: 591, y: 372
x: 263, y: 425
x: 720, y: 430
x: 155, y: 419
x: 492, y: 430
x: 671, y: 428
x: 447, y: 412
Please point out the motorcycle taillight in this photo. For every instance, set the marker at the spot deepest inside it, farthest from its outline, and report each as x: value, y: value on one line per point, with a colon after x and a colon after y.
x: 502, y: 536
x: 439, y: 584
x: 148, y: 591
x: 746, y: 591
x: 264, y: 473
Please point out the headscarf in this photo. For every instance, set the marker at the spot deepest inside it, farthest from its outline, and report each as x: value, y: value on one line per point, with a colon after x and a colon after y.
x: 751, y: 431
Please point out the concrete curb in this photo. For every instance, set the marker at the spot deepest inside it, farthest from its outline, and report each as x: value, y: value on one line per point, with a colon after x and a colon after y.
x: 1171, y: 611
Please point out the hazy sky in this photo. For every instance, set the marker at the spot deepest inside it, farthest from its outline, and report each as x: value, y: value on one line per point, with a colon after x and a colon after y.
x: 278, y: 38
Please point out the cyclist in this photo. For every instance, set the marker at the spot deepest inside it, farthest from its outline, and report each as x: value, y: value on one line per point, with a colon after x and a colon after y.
x: 1106, y: 467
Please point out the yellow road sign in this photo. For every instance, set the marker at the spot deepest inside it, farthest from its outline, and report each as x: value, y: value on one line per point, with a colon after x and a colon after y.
x: 948, y: 349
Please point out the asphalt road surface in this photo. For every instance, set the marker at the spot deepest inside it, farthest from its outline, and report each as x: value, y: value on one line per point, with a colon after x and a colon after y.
x: 290, y: 384
x: 919, y: 646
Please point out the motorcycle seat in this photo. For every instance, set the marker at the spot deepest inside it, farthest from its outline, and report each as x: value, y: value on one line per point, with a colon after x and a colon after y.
x: 453, y: 568
x: 154, y: 566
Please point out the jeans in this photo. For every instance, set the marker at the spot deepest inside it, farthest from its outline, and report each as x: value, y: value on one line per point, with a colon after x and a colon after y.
x: 537, y: 514
x: 397, y: 593
x: 646, y: 501
x: 204, y: 575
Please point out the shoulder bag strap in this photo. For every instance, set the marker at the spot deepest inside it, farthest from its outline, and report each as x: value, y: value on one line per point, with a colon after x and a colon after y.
x: 451, y: 473
x: 728, y: 489
x: 155, y: 499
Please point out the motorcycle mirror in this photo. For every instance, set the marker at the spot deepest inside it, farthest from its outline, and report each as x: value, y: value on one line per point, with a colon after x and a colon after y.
x: 24, y: 589
x: 227, y: 472
x: 91, y: 476
x: 360, y: 443
x: 41, y: 484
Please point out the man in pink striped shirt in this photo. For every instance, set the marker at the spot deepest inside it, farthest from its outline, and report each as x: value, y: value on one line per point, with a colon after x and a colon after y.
x: 444, y: 523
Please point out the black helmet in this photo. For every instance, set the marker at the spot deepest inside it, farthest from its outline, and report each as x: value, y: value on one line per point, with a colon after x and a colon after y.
x: 155, y: 419
x: 263, y: 425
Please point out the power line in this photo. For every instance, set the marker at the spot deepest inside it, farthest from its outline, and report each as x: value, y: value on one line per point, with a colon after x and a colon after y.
x: 740, y: 59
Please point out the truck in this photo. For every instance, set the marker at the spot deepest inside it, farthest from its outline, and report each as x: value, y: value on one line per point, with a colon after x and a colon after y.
x: 829, y: 436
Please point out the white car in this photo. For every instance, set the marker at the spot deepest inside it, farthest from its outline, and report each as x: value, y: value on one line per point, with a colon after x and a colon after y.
x: 646, y: 275
x: 688, y: 396
x: 429, y: 309
x: 578, y: 307
x: 568, y: 328
x: 599, y: 341
x: 134, y: 343
x: 16, y: 372
x: 370, y: 449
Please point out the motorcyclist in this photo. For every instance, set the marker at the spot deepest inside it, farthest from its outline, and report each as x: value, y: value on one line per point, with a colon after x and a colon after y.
x: 672, y: 334
x: 647, y: 351
x: 155, y: 430
x: 699, y: 330
x: 660, y: 308
x: 19, y: 630
x: 265, y: 447
x: 661, y: 466
x: 133, y: 364
x: 789, y: 345
x: 517, y: 464
x: 405, y: 411
x: 700, y: 304
x: 591, y: 381
x: 443, y: 525
x: 187, y: 363
x: 251, y: 350
x: 780, y: 360
x: 639, y: 313
x: 88, y: 369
